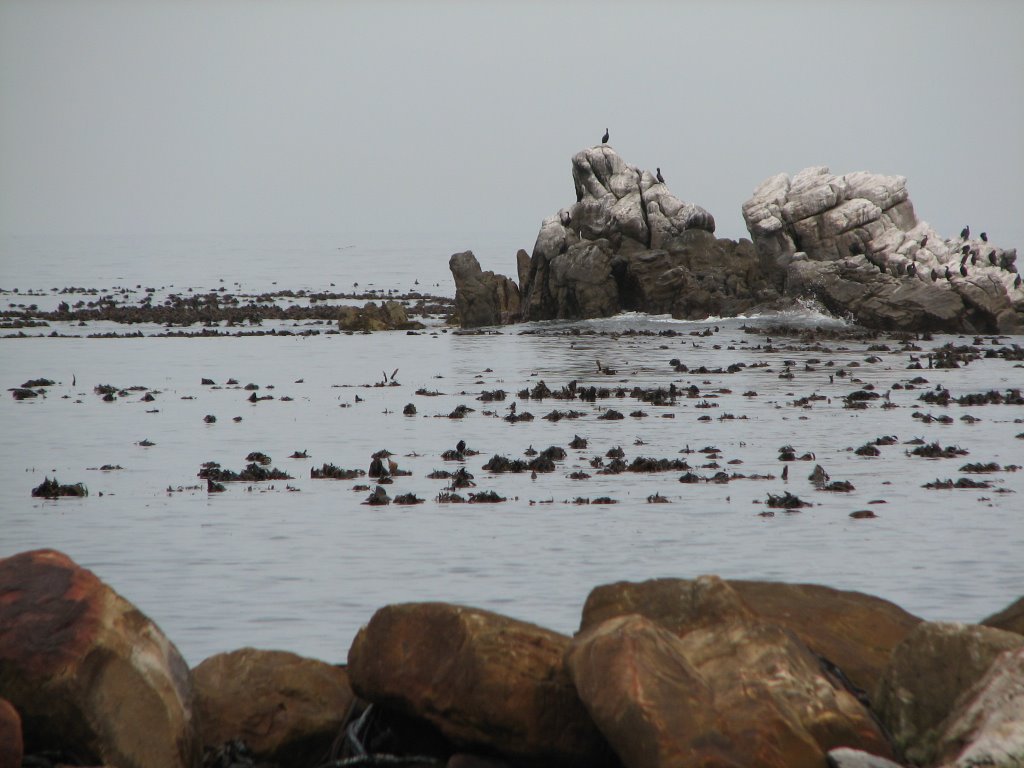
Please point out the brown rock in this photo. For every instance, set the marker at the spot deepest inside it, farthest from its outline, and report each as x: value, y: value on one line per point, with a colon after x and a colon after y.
x: 286, y: 708
x: 929, y: 670
x: 1010, y: 618
x: 11, y: 748
x: 88, y: 672
x: 987, y: 726
x: 482, y: 298
x: 734, y: 691
x: 855, y: 631
x: 387, y: 316
x: 486, y: 681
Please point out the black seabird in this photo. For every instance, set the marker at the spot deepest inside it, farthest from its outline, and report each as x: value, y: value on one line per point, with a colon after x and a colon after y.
x: 912, y: 269
x: 965, y: 249
x: 984, y: 237
x: 604, y: 139
x: 460, y: 446
x: 935, y: 275
x: 965, y: 232
x: 992, y: 258
x: 1016, y: 281
x: 948, y: 273
x: 924, y: 241
x: 660, y: 177
x: 963, y: 271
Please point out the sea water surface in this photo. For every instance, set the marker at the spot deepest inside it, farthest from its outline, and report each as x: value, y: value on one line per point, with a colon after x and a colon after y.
x: 300, y: 564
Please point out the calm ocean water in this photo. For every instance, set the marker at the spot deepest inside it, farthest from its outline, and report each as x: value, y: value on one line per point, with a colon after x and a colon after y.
x: 301, y: 564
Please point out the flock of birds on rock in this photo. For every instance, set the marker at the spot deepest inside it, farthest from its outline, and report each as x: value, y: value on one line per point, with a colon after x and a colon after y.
x: 911, y: 269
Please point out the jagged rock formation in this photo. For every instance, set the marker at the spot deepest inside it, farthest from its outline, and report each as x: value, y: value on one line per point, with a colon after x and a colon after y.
x: 855, y: 243
x: 852, y: 242
x: 626, y: 244
x: 483, y: 298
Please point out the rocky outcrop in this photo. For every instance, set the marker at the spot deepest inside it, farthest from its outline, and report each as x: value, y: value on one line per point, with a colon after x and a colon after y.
x: 936, y: 664
x: 854, y: 631
x: 482, y: 298
x: 735, y: 691
x: 386, y: 316
x: 88, y: 672
x: 844, y: 757
x: 486, y: 681
x: 628, y: 244
x: 286, y: 708
x: 11, y: 747
x: 1010, y: 618
x: 854, y: 243
x: 987, y: 726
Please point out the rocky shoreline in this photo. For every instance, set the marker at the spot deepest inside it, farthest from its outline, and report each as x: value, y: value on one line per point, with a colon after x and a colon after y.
x: 668, y: 672
x: 851, y: 242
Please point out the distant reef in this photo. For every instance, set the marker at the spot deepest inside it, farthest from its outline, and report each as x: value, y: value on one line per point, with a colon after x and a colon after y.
x: 851, y: 242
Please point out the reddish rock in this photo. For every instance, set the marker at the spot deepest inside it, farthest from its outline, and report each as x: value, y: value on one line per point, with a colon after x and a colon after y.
x: 286, y: 708
x: 11, y: 750
x: 987, y: 726
x: 489, y: 683
x: 88, y: 672
x: 1010, y: 618
x: 735, y: 680
x: 855, y: 631
x: 928, y: 672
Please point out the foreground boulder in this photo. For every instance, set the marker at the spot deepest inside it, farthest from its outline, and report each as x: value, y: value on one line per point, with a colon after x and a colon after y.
x: 482, y: 298
x: 737, y: 693
x: 11, y: 748
x: 936, y: 664
x: 854, y: 631
x: 88, y: 672
x: 1010, y: 618
x: 854, y: 243
x: 987, y: 726
x: 487, y: 682
x: 286, y: 708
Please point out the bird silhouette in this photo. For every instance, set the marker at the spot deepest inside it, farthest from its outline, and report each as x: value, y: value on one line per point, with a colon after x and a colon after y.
x: 965, y: 232
x: 660, y: 177
x: 984, y: 237
x: 604, y: 139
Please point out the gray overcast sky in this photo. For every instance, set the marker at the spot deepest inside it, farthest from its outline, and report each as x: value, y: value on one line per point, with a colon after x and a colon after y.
x: 276, y: 116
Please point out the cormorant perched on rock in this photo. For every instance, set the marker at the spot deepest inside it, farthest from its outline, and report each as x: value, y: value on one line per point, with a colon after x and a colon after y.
x: 984, y: 237
x: 992, y: 258
x: 604, y: 139
x: 460, y: 446
x: 965, y: 249
x: 1016, y: 281
x: 924, y: 241
x: 660, y: 177
x: 965, y: 232
x: 948, y: 273
x: 912, y: 269
x: 935, y: 275
x: 963, y: 270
